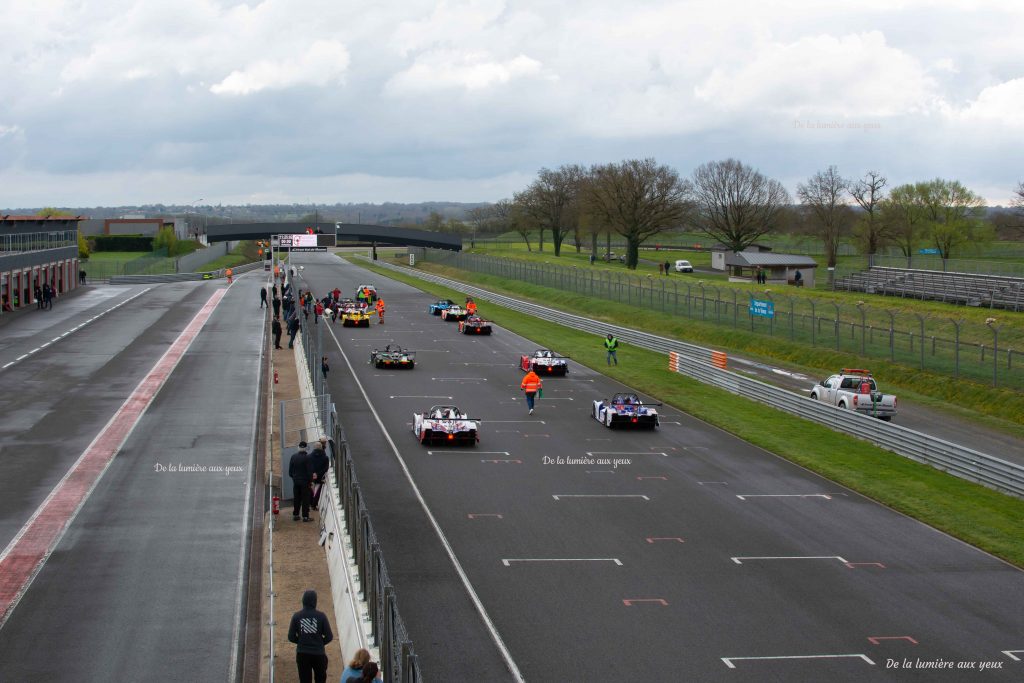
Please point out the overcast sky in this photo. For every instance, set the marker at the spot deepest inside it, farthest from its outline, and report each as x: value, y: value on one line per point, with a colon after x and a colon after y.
x: 116, y: 102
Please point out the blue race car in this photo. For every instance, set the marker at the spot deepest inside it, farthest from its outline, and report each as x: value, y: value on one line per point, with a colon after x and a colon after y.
x: 438, y: 306
x: 625, y: 410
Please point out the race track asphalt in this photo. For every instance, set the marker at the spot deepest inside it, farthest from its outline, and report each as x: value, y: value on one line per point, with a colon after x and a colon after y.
x: 702, y: 558
x: 147, y: 582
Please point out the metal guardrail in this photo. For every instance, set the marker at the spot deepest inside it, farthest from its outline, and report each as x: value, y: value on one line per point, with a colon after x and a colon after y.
x: 695, y: 361
x: 387, y: 630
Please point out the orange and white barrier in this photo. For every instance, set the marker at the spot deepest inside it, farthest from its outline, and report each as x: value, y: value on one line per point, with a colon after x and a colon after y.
x: 719, y: 360
x: 673, y: 361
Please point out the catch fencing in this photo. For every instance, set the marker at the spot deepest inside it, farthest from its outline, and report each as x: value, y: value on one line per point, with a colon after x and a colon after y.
x: 949, y: 346
x: 387, y: 629
x: 697, y: 362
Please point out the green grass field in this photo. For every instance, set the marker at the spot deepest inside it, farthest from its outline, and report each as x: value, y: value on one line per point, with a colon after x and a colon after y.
x: 990, y: 520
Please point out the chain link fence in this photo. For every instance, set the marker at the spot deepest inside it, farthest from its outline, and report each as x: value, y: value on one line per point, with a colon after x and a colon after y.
x: 984, y: 353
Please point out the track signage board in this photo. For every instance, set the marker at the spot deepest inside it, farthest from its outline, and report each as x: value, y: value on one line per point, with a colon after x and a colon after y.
x: 764, y: 309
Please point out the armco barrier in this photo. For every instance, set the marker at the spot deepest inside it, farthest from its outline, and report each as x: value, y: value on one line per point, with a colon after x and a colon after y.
x: 695, y: 361
x: 180, y: 277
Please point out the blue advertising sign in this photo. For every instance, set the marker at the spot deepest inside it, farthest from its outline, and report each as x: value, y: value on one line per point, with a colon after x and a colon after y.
x: 929, y: 251
x: 765, y: 309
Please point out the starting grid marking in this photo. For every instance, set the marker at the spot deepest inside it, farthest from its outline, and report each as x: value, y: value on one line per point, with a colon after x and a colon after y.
x: 451, y: 450
x: 739, y: 560
x: 507, y: 562
x: 826, y: 496
x: 595, y: 454
x: 598, y: 495
x: 729, y: 660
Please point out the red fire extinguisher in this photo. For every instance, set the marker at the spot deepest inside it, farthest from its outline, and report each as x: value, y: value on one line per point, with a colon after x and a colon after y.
x: 275, y: 505
x: 275, y: 376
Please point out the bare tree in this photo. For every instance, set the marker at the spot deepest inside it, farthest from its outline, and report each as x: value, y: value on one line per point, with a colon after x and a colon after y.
x: 637, y: 198
x: 550, y: 200
x: 824, y: 198
x: 735, y: 203
x: 869, y: 192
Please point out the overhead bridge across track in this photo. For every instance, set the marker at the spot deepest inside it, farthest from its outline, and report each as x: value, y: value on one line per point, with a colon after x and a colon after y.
x: 346, y: 232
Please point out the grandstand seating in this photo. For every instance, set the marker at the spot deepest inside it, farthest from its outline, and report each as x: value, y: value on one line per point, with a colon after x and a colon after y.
x: 970, y: 289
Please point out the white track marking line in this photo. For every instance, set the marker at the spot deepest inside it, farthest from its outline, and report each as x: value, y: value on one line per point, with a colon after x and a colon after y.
x: 596, y: 453
x: 470, y: 451
x: 74, y: 329
x: 826, y: 496
x: 507, y: 562
x: 729, y: 660
x: 447, y: 397
x: 560, y: 496
x: 738, y: 560
x: 481, y: 610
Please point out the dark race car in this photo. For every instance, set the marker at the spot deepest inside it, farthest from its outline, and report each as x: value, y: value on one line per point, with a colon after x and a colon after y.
x: 393, y: 356
x: 545, y: 363
x: 445, y: 425
x: 438, y: 306
x: 474, y: 324
x: 625, y: 410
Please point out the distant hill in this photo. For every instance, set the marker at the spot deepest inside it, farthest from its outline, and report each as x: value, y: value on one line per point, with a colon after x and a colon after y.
x: 375, y: 214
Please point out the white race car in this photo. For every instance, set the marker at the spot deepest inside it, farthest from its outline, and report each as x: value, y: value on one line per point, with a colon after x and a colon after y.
x: 445, y: 424
x: 625, y: 410
x: 545, y: 363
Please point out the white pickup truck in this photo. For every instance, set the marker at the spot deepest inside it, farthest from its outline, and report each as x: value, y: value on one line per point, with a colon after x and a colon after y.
x: 854, y: 389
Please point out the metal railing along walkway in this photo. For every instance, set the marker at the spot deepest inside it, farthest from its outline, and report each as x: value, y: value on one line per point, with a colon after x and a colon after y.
x: 695, y: 361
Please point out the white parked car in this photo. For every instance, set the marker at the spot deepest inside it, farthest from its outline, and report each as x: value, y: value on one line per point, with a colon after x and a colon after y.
x: 683, y: 266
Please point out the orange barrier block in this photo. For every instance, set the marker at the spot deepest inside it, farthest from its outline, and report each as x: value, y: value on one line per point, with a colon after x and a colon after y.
x: 719, y: 360
x: 673, y: 361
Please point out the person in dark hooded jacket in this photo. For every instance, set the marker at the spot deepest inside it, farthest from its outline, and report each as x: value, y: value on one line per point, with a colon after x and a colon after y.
x: 310, y: 631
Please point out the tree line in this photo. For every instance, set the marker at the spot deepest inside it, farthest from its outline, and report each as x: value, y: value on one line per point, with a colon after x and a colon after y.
x: 736, y: 205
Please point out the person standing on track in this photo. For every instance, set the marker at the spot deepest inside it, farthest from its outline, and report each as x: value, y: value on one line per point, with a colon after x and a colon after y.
x: 380, y: 311
x: 263, y: 298
x: 611, y: 345
x: 310, y: 630
x: 470, y: 307
x: 230, y: 273
x: 530, y: 385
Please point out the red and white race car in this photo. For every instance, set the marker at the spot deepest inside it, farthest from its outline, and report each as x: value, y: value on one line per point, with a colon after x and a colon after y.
x: 545, y: 362
x: 445, y: 424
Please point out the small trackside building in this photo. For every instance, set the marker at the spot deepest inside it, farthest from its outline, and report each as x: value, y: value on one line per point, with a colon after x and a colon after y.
x: 36, y: 250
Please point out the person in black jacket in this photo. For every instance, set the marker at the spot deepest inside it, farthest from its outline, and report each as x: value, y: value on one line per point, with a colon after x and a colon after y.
x: 263, y: 298
x: 320, y: 463
x: 275, y: 327
x: 300, y: 469
x: 310, y: 631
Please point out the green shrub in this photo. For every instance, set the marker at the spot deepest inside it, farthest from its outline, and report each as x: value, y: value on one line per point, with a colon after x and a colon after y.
x: 123, y: 243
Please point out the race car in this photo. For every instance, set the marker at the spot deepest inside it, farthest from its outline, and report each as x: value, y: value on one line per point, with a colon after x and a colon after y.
x: 454, y: 313
x: 355, y: 317
x: 625, y: 410
x: 393, y: 356
x: 474, y: 324
x: 438, y: 306
x: 445, y: 424
x: 544, y: 362
x: 367, y: 293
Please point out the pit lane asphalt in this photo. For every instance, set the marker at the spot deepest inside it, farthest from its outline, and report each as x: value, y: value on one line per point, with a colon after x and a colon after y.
x: 146, y: 582
x: 564, y: 615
